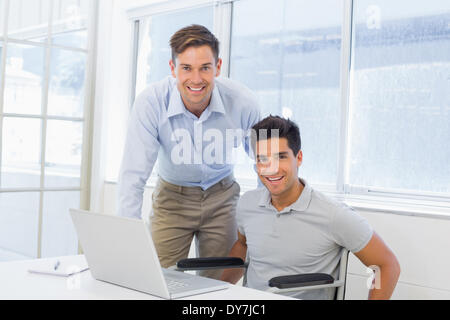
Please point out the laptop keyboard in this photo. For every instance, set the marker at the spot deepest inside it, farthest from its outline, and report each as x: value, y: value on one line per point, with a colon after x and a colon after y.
x: 187, y: 284
x: 174, y: 285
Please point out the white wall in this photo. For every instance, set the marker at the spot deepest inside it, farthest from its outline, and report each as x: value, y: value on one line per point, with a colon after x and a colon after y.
x: 421, y: 245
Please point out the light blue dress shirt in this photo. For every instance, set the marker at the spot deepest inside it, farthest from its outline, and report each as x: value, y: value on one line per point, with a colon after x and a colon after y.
x: 191, y: 151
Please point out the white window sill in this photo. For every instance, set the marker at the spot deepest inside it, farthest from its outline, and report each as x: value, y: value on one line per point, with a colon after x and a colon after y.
x: 400, y: 206
x: 373, y: 203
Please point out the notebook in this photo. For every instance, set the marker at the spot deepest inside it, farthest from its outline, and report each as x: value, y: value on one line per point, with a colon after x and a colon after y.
x: 54, y: 267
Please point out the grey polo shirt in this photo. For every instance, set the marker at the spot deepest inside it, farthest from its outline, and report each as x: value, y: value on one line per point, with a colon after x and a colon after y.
x: 306, y: 237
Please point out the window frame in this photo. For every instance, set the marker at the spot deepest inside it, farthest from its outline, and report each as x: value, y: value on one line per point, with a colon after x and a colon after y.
x: 87, y: 133
x: 396, y: 200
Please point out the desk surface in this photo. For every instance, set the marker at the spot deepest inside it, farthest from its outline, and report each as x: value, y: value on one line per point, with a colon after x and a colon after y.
x: 17, y: 283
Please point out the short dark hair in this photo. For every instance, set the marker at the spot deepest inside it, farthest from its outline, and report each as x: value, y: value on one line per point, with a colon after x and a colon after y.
x: 193, y: 36
x: 285, y: 127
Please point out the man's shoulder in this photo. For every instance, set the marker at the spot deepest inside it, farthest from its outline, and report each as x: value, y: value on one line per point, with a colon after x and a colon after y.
x: 251, y: 198
x: 159, y: 91
x: 330, y: 206
x: 233, y: 90
x: 324, y: 200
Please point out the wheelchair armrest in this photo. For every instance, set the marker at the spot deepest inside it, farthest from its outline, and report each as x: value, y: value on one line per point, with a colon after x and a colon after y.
x: 301, y: 280
x: 210, y: 263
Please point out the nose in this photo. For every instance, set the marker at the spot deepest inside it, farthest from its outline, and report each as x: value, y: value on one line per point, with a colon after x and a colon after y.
x: 196, y: 77
x: 269, y: 169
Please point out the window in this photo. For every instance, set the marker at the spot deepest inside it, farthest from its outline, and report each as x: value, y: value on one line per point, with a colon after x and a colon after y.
x: 43, y: 111
x: 288, y: 53
x: 400, y: 97
x: 153, y: 55
x: 367, y: 82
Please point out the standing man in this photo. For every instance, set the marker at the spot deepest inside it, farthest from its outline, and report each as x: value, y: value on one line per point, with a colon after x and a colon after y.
x: 287, y: 227
x: 183, y: 121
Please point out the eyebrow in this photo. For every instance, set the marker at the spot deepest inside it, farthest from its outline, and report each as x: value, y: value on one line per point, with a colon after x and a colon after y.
x: 188, y: 65
x: 283, y: 153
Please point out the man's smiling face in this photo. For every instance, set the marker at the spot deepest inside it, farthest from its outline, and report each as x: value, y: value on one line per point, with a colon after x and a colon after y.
x: 277, y: 165
x: 195, y: 69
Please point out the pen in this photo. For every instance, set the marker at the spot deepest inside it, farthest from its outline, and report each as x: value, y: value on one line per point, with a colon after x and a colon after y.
x: 56, y: 265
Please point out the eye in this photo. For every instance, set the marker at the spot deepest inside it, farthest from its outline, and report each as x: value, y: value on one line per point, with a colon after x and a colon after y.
x: 206, y: 68
x: 186, y: 68
x: 262, y: 159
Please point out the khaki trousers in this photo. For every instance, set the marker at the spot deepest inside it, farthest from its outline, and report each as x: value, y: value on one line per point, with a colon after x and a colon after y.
x: 182, y: 213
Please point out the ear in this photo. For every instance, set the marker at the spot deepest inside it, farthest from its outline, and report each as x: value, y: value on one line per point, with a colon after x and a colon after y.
x: 172, y: 68
x: 218, y: 67
x: 299, y: 158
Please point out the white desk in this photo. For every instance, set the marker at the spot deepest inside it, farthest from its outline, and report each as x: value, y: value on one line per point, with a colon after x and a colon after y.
x: 17, y: 283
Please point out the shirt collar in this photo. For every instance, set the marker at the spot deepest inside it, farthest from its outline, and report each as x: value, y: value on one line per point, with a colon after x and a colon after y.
x: 216, y: 103
x: 176, y: 105
x: 300, y: 205
x: 264, y: 200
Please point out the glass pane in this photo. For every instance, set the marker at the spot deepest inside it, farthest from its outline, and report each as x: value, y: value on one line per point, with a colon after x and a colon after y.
x: 28, y: 20
x: 75, y: 39
x: 288, y: 52
x: 63, y: 153
x: 66, y: 90
x: 70, y: 23
x: 155, y: 53
x: 19, y: 218
x: 2, y: 16
x: 58, y: 234
x: 400, y: 99
x: 1, y: 57
x: 21, y: 153
x: 23, y: 79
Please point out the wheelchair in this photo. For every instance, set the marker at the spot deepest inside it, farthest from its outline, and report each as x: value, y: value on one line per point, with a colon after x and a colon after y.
x: 278, y: 285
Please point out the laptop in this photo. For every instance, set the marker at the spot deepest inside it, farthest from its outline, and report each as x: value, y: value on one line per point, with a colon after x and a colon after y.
x: 120, y: 250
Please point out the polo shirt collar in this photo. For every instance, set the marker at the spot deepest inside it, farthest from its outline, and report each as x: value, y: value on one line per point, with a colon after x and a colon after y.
x: 176, y: 105
x: 300, y: 205
x: 304, y: 200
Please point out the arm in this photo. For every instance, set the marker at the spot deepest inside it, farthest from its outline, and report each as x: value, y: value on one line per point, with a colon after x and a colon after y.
x: 377, y: 253
x: 139, y: 156
x: 238, y: 250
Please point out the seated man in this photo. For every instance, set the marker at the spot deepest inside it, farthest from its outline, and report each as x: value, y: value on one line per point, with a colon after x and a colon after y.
x: 286, y: 227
